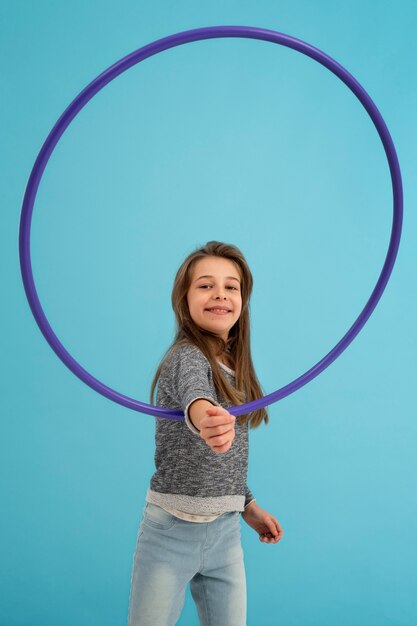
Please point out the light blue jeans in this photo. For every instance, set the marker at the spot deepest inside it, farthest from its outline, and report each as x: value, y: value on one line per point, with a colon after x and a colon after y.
x: 170, y: 553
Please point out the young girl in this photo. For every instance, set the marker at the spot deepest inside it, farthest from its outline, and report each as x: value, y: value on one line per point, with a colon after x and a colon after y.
x: 190, y: 528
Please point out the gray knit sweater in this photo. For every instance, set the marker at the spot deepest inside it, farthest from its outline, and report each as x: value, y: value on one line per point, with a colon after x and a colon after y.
x: 189, y: 476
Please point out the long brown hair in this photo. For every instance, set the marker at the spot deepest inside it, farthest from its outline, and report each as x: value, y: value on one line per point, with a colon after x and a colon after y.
x: 212, y: 345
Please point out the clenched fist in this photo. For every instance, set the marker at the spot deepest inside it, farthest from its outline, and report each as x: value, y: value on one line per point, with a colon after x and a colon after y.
x: 217, y: 429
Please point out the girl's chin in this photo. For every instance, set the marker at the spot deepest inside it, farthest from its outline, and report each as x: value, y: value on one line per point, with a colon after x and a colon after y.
x: 216, y: 329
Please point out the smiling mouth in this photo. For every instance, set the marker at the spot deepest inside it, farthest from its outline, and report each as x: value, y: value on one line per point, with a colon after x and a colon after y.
x: 218, y: 311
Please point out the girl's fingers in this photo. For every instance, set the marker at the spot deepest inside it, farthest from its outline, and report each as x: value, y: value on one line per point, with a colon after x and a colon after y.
x: 273, y: 537
x: 217, y: 421
x: 269, y: 539
x: 219, y: 440
x: 222, y: 433
x: 218, y: 429
x: 220, y: 411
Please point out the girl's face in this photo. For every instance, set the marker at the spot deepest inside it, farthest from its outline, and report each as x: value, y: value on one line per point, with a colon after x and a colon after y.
x: 215, y: 283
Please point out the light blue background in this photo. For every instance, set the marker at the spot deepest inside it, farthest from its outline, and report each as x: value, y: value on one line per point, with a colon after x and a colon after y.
x: 240, y: 141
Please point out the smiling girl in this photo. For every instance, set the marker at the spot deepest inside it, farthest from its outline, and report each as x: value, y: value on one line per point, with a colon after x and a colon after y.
x: 190, y: 527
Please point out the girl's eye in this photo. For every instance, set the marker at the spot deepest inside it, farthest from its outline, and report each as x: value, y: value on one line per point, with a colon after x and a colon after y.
x: 229, y: 287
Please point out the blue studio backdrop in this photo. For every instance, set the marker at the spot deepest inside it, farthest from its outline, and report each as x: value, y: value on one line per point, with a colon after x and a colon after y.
x: 240, y: 141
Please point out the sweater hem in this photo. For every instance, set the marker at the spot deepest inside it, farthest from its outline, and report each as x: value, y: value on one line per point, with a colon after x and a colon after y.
x: 197, y: 505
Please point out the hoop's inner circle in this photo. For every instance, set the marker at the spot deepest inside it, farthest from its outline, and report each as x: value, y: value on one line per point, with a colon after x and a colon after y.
x: 81, y: 100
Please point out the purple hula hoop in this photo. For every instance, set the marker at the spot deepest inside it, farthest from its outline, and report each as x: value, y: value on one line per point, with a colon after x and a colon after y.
x: 102, y: 80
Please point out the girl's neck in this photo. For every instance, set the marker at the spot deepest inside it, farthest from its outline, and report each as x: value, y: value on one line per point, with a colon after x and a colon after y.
x: 225, y: 359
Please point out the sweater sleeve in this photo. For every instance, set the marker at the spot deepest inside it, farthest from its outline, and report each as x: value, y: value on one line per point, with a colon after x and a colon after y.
x: 190, y: 376
x: 248, y: 496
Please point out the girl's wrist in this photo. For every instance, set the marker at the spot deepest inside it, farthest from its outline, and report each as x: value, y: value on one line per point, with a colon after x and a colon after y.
x: 193, y: 423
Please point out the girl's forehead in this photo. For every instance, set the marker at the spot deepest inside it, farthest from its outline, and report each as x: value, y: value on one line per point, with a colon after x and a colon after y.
x: 216, y: 265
